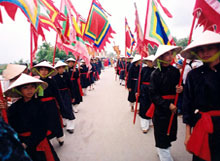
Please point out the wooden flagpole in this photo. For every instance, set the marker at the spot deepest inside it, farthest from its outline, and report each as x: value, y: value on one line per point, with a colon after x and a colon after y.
x: 126, y: 56
x: 31, y: 48
x: 4, y: 114
x: 181, y: 76
x: 139, y: 77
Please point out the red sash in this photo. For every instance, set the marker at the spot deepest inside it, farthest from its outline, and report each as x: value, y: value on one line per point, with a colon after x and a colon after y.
x: 87, y: 74
x: 146, y: 83
x: 63, y: 89
x: 57, y: 105
x: 80, y: 87
x: 150, y: 111
x: 43, y: 146
x: 198, y: 143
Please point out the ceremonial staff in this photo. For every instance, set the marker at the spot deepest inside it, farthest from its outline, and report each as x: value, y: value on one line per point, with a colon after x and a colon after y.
x: 4, y: 114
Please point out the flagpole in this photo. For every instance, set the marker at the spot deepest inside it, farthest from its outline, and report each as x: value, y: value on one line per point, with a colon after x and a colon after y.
x: 181, y: 76
x: 4, y: 114
x: 125, y: 57
x: 31, y: 48
x: 139, y: 76
x: 54, y: 51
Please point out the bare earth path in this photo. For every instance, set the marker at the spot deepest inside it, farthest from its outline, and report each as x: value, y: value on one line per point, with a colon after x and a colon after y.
x: 105, y: 132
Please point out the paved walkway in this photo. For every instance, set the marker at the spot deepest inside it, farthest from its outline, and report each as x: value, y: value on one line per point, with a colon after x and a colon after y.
x: 105, y: 132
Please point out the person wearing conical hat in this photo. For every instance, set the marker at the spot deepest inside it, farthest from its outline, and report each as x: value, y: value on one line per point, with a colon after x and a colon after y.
x: 129, y: 59
x: 91, y: 75
x: 73, y: 73
x: 27, y: 117
x: 66, y: 91
x: 132, y: 80
x: 122, y: 71
x: 144, y: 98
x: 201, y: 105
x: 52, y: 99
x: 162, y: 90
x: 84, y: 77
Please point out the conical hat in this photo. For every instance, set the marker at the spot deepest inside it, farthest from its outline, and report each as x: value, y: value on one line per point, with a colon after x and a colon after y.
x: 82, y: 61
x: 60, y: 64
x: 122, y: 56
x: 150, y: 58
x: 136, y: 58
x: 207, y: 38
x: 70, y: 59
x: 22, y: 80
x: 13, y: 70
x: 162, y: 49
x: 45, y: 64
x: 131, y: 57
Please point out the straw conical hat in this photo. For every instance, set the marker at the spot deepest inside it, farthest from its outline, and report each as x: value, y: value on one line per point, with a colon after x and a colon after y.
x: 207, y: 38
x: 136, y: 58
x: 60, y: 64
x: 45, y: 64
x: 82, y: 61
x: 22, y: 80
x: 122, y: 56
x: 70, y: 59
x: 13, y: 70
x: 149, y: 58
x: 162, y: 49
x: 131, y: 57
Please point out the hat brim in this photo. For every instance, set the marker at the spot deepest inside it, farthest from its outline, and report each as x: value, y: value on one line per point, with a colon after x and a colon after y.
x: 33, y: 70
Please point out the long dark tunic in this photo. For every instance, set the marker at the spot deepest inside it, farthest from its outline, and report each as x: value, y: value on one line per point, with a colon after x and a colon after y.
x: 64, y: 87
x: 92, y: 79
x: 75, y: 85
x: 84, y: 79
x: 163, y: 83
x: 51, y: 108
x: 30, y: 117
x: 144, y: 97
x: 202, y: 92
x: 132, y: 80
x: 122, y: 67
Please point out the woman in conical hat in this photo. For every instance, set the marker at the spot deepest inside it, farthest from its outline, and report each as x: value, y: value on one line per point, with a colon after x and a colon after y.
x: 144, y: 98
x: 52, y: 99
x: 122, y: 70
x: 73, y: 72
x: 84, y: 77
x: 132, y: 80
x: 162, y: 90
x: 27, y: 117
x: 201, y: 105
x: 66, y: 91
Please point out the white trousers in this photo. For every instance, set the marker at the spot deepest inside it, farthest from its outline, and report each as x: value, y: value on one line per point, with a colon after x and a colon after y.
x: 122, y: 81
x: 75, y: 108
x: 85, y: 91
x: 164, y: 154
x: 145, y: 123
x: 131, y: 104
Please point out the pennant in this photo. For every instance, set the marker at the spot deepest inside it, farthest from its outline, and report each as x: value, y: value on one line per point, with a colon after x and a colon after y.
x: 129, y: 39
x: 208, y: 12
x: 165, y: 10
x: 157, y: 31
x: 98, y: 29
x: 28, y: 7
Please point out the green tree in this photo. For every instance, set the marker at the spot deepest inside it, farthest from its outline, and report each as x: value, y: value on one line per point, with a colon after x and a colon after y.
x: 181, y: 42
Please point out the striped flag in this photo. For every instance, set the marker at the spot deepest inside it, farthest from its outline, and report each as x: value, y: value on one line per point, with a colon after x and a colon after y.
x: 129, y: 39
x: 157, y: 31
x: 209, y: 14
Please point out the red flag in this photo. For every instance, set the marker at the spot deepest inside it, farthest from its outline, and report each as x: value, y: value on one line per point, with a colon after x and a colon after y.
x: 1, y: 20
x: 165, y: 9
x: 209, y: 14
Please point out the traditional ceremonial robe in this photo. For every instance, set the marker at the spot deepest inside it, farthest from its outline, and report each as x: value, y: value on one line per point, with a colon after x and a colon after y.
x: 132, y: 80
x: 202, y: 92
x: 96, y: 73
x: 84, y: 76
x: 144, y: 97
x: 163, y: 83
x: 117, y: 67
x: 99, y: 64
x: 92, y: 79
x: 29, y: 117
x: 10, y: 147
x: 52, y: 110
x: 122, y: 69
x: 75, y: 86
x: 66, y: 92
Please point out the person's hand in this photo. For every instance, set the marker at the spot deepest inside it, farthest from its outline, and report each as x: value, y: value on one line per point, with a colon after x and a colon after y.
x: 24, y: 145
x: 137, y: 94
x: 186, y: 140
x: 3, y: 104
x: 73, y: 100
x: 179, y: 89
x: 173, y: 108
x: 129, y: 89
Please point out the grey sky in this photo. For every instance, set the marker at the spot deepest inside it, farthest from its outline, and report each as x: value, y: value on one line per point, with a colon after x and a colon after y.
x: 15, y: 35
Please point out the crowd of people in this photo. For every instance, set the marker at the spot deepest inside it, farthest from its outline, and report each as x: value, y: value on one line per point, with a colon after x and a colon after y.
x: 42, y: 104
x: 198, y: 102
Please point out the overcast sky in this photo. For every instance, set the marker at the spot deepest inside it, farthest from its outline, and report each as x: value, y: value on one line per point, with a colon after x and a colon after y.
x: 15, y: 35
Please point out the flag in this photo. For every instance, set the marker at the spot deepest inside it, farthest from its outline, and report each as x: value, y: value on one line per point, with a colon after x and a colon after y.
x: 156, y: 30
x: 140, y: 46
x: 209, y: 14
x: 129, y: 39
x: 98, y: 29
x: 70, y: 39
x: 28, y: 7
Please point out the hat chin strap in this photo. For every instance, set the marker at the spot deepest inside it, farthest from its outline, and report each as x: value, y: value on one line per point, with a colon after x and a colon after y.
x: 211, y: 59
x: 39, y: 89
x: 161, y: 61
x: 41, y: 74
